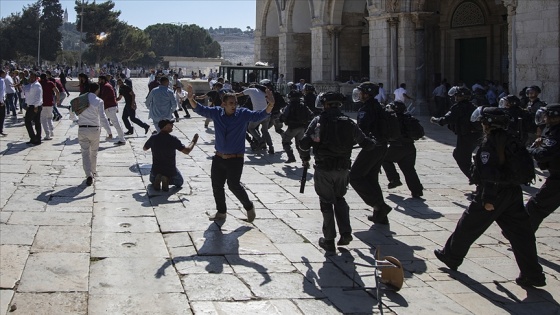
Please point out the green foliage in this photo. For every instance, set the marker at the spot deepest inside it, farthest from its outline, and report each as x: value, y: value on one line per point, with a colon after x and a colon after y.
x: 182, y: 40
x: 51, y: 21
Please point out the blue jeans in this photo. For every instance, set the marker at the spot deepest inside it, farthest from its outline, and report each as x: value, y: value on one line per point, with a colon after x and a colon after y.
x: 176, y: 180
x: 10, y: 103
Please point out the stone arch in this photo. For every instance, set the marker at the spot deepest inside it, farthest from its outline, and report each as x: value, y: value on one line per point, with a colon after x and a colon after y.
x: 467, y: 14
x: 299, y: 15
x: 271, y: 19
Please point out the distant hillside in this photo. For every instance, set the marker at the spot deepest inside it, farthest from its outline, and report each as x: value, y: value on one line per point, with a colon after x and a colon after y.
x: 237, y: 48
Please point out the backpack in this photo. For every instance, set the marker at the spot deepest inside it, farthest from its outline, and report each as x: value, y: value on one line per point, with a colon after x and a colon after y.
x: 390, y: 125
x: 519, y: 166
x: 411, y: 127
x: 299, y: 114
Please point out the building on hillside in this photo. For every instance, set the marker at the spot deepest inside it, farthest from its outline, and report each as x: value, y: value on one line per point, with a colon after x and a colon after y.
x: 65, y: 15
x: 418, y: 42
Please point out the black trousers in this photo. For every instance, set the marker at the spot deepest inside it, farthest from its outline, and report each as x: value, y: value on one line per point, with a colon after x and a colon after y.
x: 512, y: 218
x: 404, y: 154
x: 331, y: 186
x: 464, y: 150
x: 364, y: 175
x: 185, y: 106
x: 2, y: 117
x: 128, y: 112
x: 228, y: 170
x: 546, y: 201
x: 33, y: 119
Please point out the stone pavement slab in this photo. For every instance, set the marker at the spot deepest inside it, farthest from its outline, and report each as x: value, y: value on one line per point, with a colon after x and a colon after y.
x: 120, y: 247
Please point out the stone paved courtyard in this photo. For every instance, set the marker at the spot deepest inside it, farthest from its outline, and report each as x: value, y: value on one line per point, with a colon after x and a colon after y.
x: 119, y: 247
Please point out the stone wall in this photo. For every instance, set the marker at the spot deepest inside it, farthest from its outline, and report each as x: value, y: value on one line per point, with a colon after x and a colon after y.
x: 538, y: 46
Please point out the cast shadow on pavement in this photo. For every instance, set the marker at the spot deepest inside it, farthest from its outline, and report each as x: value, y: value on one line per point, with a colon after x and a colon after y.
x: 293, y: 171
x: 15, y: 147
x: 156, y: 198
x: 218, y: 249
x: 66, y: 195
x: 420, y: 207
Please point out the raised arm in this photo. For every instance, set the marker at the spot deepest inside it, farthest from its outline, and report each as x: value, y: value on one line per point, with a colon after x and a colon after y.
x: 191, y: 145
x: 190, y: 91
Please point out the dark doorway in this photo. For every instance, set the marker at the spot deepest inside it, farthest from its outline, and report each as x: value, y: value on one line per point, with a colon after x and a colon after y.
x: 302, y: 73
x: 471, y: 57
x: 365, y: 63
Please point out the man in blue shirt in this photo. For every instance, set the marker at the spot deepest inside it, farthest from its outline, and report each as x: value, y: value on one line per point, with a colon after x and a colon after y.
x: 230, y: 126
x: 161, y: 102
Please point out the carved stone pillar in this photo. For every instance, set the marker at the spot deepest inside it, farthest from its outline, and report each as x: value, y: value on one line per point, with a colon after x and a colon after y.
x: 394, y: 48
x: 334, y: 32
x: 511, y: 6
x: 322, y: 53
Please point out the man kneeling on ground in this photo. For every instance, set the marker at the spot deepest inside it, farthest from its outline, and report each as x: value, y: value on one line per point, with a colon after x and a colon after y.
x: 164, y: 171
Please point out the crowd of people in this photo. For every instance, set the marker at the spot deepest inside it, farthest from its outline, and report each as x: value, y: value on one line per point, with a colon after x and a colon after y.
x: 500, y: 131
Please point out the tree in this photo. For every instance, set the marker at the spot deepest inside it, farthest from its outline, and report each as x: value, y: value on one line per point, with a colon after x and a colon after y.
x: 50, y: 23
x: 97, y: 19
x: 182, y: 40
x: 128, y: 44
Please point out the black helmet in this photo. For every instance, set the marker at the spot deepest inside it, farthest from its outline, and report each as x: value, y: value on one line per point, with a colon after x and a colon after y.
x: 550, y: 110
x: 369, y: 88
x: 331, y: 98
x: 512, y: 100
x: 462, y: 91
x: 398, y: 107
x: 294, y: 94
x: 308, y: 87
x: 266, y: 82
x: 494, y: 117
x: 534, y: 88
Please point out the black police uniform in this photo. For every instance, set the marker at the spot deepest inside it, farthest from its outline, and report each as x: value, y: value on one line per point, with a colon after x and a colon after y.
x: 332, y: 166
x: 509, y: 214
x: 458, y: 120
x: 547, y: 156
x: 364, y: 175
x: 309, y: 100
x: 403, y: 152
x: 296, y: 125
x: 521, y: 124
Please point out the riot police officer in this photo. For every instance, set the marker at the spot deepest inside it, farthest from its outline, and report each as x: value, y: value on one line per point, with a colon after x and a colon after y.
x: 458, y: 120
x: 279, y: 103
x: 364, y: 175
x: 297, y: 117
x: 498, y: 199
x: 546, y: 151
x: 403, y: 152
x: 309, y: 98
x: 332, y: 136
x: 521, y: 122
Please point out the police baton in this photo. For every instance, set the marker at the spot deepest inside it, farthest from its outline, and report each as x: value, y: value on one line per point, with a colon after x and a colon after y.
x: 303, y: 178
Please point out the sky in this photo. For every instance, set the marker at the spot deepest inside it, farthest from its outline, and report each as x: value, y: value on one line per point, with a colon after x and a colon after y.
x: 142, y: 13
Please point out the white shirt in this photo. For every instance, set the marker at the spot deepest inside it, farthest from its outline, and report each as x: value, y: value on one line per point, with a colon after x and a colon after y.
x: 399, y: 94
x: 94, y: 115
x: 258, y: 98
x: 9, y: 82
x: 2, y: 90
x: 180, y: 97
x: 34, y: 94
x: 380, y: 97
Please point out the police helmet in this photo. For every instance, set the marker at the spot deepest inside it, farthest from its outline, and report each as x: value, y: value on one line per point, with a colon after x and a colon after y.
x: 550, y: 110
x: 308, y: 87
x: 459, y: 91
x: 331, y: 98
x: 509, y: 101
x: 533, y: 88
x: 266, y: 82
x: 493, y: 117
x: 397, y: 106
x: 369, y: 88
x: 294, y: 94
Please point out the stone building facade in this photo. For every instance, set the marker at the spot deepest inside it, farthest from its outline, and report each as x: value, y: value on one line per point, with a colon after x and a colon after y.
x: 418, y: 42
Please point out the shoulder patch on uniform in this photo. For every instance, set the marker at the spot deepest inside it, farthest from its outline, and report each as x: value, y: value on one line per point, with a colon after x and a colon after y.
x: 549, y: 142
x: 484, y: 157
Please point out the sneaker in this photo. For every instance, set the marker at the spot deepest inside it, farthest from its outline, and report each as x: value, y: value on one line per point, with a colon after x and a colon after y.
x: 271, y: 150
x: 157, y: 183
x: 109, y: 137
x: 327, y: 245
x: 394, y: 184
x: 89, y: 181
x: 146, y: 129
x: 47, y: 138
x: 3, y: 134
x: 345, y: 239
x: 526, y: 282
x: 448, y: 262
x: 251, y: 214
x: 164, y: 183
x: 218, y: 216
x: 120, y: 143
